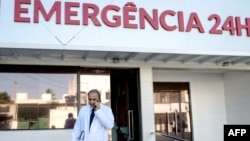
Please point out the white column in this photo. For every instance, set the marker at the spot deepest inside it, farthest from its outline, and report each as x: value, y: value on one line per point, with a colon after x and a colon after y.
x: 147, y: 103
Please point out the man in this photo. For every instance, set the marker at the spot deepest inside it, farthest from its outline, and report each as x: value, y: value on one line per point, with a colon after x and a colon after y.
x: 103, y: 120
x: 70, y: 121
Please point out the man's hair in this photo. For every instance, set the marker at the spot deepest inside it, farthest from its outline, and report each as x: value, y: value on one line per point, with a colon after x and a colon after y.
x: 97, y: 92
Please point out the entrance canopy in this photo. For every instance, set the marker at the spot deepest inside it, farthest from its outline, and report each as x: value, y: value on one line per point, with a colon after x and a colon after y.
x: 69, y: 57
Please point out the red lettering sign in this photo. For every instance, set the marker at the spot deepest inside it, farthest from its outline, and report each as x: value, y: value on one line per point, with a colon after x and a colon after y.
x: 128, y: 16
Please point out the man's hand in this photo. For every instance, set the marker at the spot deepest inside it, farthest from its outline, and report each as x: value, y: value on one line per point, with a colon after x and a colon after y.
x: 97, y: 105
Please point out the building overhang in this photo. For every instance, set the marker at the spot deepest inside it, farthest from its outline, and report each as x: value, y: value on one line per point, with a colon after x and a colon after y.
x: 121, y: 58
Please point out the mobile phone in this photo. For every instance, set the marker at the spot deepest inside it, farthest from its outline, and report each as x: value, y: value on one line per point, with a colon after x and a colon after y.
x: 96, y: 101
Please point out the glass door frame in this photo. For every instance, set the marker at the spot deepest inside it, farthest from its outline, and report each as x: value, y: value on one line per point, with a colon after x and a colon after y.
x: 126, y: 81
x: 175, y: 117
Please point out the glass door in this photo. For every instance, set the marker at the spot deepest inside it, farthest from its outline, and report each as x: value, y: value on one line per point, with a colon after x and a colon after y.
x: 119, y: 89
x: 125, y: 103
x: 172, y: 112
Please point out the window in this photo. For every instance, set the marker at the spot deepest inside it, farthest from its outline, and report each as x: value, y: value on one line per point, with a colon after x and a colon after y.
x: 36, y: 97
x: 40, y: 97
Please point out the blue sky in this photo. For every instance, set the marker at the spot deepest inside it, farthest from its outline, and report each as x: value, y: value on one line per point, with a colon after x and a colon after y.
x: 35, y: 84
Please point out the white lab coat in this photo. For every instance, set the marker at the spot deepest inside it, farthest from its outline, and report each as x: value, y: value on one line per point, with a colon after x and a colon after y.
x: 101, y: 124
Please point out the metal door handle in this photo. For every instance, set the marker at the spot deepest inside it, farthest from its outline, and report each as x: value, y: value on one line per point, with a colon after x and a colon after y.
x: 176, y: 122
x: 131, y: 124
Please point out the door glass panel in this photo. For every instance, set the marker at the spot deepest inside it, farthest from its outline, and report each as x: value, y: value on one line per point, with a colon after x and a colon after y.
x: 95, y: 78
x: 125, y: 98
x: 172, y: 114
x: 99, y: 82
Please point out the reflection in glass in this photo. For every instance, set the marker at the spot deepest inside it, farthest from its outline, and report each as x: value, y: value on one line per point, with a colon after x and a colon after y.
x: 44, y: 100
x: 36, y: 100
x: 100, y: 82
x: 172, y: 114
x: 96, y: 81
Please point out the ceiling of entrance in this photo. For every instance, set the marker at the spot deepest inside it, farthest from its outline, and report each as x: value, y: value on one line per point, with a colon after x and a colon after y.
x: 158, y: 59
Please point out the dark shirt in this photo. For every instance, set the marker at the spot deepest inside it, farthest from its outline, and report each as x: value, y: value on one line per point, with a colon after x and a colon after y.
x: 69, y: 123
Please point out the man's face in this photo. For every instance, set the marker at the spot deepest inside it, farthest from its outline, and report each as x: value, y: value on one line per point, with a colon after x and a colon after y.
x: 93, y: 98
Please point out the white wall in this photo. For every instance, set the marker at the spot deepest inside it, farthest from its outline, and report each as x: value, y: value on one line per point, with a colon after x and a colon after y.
x: 147, y: 104
x: 36, y: 135
x: 49, y: 35
x: 237, y: 90
x: 207, y: 101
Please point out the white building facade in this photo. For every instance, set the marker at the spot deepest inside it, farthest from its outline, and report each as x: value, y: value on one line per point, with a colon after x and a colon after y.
x: 203, y: 45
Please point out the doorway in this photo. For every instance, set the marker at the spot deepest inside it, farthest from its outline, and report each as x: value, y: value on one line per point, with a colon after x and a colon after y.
x: 125, y: 103
x: 172, y: 110
x: 120, y: 90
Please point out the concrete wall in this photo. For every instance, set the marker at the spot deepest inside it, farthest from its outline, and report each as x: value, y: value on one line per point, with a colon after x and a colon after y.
x: 36, y: 135
x: 237, y: 89
x: 147, y: 104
